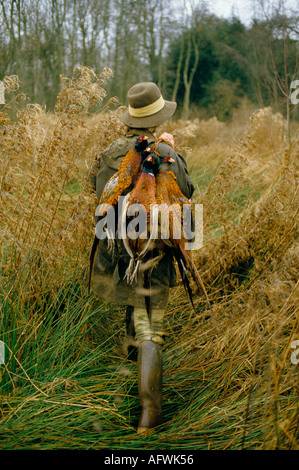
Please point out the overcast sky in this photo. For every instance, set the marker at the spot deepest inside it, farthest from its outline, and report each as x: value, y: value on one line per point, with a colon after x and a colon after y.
x: 244, y: 9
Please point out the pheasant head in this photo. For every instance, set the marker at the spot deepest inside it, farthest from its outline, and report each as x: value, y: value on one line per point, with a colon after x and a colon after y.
x: 166, y: 159
x: 141, y: 143
x: 151, y: 164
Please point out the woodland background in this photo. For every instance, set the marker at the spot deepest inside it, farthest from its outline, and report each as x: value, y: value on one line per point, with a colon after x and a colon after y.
x: 197, y: 58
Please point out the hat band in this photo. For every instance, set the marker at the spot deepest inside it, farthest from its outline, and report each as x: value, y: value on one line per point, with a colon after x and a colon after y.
x: 147, y: 110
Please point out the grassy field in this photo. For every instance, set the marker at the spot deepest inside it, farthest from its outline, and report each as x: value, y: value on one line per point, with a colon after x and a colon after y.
x: 229, y: 378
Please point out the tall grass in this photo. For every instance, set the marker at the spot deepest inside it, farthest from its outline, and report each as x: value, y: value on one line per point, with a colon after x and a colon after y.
x: 229, y: 382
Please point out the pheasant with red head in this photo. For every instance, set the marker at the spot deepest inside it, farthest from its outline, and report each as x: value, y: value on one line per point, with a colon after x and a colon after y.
x: 171, y: 201
x: 143, y: 199
x: 125, y: 177
x: 118, y: 184
x: 127, y: 173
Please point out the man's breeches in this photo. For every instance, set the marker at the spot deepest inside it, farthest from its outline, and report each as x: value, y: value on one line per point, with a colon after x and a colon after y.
x: 148, y: 329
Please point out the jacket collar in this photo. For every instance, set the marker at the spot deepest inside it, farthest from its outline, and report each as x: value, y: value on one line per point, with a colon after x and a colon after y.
x: 113, y: 154
x: 139, y: 132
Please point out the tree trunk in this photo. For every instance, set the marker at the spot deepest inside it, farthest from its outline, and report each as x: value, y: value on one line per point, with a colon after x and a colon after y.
x: 188, y: 80
x: 178, y: 70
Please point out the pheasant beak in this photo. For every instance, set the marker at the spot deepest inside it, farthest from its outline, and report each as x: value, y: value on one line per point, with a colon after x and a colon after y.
x: 168, y: 159
x: 142, y: 138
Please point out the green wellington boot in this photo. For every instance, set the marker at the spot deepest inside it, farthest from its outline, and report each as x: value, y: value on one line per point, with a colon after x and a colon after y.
x: 150, y: 385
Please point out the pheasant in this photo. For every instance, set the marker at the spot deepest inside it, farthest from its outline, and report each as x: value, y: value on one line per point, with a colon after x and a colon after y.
x: 171, y: 201
x: 126, y: 175
x: 119, y: 183
x: 143, y: 195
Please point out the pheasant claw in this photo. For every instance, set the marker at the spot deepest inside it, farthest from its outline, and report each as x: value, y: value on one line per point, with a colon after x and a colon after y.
x: 127, y: 275
x: 134, y: 274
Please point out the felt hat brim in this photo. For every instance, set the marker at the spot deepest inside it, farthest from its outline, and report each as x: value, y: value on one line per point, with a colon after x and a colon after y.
x: 149, y: 121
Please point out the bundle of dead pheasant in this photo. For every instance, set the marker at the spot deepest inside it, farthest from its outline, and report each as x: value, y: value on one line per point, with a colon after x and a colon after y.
x: 153, y: 193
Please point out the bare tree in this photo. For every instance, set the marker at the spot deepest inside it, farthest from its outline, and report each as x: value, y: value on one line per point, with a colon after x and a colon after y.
x: 279, y: 26
x: 194, y: 27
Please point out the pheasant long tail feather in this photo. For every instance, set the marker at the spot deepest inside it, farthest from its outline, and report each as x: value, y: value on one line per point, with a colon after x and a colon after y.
x: 184, y: 275
x: 91, y: 259
x: 195, y: 274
